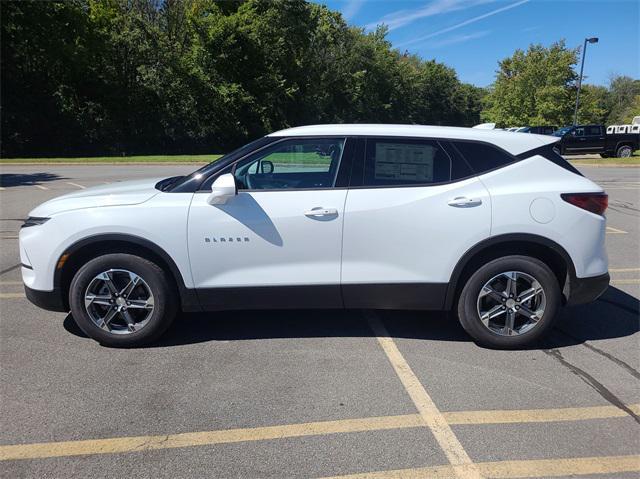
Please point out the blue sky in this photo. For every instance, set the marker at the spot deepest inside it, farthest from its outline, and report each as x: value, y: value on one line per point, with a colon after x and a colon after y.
x: 472, y: 35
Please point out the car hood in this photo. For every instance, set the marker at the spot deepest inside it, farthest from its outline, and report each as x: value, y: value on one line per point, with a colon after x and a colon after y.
x: 117, y: 194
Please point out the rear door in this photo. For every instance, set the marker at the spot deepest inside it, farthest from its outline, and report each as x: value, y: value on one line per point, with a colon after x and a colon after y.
x: 416, y: 210
x: 594, y: 141
x: 278, y: 242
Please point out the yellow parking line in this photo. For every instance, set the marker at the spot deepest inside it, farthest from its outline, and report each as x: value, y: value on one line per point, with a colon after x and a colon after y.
x: 516, y: 469
x: 204, y: 438
x: 429, y: 412
x: 11, y: 295
x: 623, y: 270
x: 537, y: 415
x: 145, y: 443
x: 615, y: 231
x: 76, y: 185
x: 625, y: 281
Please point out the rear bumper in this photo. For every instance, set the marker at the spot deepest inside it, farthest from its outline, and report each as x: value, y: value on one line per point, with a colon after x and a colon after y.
x: 49, y: 300
x: 586, y: 290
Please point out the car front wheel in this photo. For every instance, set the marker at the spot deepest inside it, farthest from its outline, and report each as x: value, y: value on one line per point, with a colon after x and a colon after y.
x: 122, y: 300
x: 509, y: 302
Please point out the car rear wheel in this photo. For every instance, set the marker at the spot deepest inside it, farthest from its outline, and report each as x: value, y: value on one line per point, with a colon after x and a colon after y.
x: 624, y: 151
x: 122, y: 300
x: 509, y: 302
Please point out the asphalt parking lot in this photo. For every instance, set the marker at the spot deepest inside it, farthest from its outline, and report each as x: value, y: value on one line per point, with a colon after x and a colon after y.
x: 292, y: 394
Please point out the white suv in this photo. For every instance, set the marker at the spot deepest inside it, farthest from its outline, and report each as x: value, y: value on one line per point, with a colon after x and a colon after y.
x: 495, y: 225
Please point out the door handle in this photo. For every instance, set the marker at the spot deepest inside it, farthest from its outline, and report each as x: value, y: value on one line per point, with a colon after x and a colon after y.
x: 464, y: 202
x: 319, y: 211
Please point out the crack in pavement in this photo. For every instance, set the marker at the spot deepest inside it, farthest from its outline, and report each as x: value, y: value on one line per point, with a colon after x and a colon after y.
x: 11, y: 268
x: 593, y: 382
x: 583, y: 342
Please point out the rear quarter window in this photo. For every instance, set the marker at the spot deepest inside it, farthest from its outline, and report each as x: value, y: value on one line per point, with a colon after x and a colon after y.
x: 483, y: 157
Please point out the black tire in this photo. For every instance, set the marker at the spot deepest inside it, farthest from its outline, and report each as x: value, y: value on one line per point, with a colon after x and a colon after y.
x: 624, y: 151
x: 604, y: 155
x: 468, y: 302
x: 161, y: 285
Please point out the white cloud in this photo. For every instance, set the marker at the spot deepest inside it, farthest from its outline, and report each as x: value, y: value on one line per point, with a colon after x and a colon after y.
x: 457, y: 39
x: 401, y: 18
x: 462, y: 24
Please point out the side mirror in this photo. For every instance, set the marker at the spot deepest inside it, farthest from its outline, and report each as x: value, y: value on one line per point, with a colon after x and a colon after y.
x: 222, y: 189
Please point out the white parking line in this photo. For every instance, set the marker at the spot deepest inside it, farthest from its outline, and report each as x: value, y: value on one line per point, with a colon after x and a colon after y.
x: 41, y: 187
x: 615, y: 231
x: 623, y: 270
x: 76, y: 185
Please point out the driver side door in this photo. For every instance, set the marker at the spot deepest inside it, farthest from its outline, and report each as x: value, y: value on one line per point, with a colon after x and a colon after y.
x: 278, y: 242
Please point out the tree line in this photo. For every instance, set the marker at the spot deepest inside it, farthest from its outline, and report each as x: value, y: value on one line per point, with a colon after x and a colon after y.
x: 104, y: 77
x: 84, y: 77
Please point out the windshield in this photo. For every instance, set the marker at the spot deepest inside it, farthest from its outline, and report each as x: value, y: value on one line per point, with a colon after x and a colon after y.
x: 192, y: 181
x: 562, y: 131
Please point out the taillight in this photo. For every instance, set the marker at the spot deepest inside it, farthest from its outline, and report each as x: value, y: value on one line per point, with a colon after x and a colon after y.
x: 595, y: 202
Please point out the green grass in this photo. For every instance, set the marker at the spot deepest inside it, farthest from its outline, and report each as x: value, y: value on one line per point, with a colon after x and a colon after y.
x: 118, y: 159
x: 634, y: 160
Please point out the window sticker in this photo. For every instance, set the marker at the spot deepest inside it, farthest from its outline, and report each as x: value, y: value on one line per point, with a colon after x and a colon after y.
x: 401, y: 161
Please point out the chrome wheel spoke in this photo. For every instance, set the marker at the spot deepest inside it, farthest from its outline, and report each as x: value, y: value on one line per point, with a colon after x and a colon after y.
x: 109, y: 283
x: 488, y: 290
x: 512, y: 284
x: 140, y: 304
x: 131, y: 324
x: 492, y: 313
x: 102, y: 300
x: 525, y: 311
x: 509, y: 323
x: 530, y: 293
x: 133, y: 282
x: 105, y: 322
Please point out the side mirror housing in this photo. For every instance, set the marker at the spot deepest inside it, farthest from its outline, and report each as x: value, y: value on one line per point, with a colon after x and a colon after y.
x: 223, y: 188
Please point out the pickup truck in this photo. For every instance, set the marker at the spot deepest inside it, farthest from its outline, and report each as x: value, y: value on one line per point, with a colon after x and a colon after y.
x: 584, y: 139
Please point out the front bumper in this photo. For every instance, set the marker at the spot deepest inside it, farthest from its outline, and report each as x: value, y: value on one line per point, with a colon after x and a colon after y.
x: 586, y: 290
x: 49, y: 300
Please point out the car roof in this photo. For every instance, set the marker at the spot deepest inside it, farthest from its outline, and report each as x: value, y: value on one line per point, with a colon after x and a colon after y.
x: 514, y: 143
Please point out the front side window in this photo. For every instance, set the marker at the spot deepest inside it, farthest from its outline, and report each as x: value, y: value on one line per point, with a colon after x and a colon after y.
x: 292, y: 164
x: 399, y: 162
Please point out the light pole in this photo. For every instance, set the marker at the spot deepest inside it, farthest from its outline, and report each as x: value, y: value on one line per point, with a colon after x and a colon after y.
x: 584, y: 53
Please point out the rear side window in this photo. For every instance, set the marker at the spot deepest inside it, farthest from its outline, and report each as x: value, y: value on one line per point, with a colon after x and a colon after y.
x: 483, y: 157
x: 403, y: 162
x: 594, y: 130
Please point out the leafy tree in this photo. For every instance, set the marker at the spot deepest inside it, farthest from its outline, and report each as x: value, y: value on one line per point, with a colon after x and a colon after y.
x: 623, y: 100
x: 536, y: 87
x: 594, y: 104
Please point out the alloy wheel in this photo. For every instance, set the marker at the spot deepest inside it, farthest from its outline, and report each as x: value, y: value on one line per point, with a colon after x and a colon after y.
x: 119, y: 301
x: 511, y: 303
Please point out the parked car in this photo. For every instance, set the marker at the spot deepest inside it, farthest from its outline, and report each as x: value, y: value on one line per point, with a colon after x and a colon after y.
x: 493, y: 225
x: 583, y: 139
x: 539, y: 130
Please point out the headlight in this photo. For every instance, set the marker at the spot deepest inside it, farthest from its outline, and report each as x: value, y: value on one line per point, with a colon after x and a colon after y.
x: 35, y: 221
